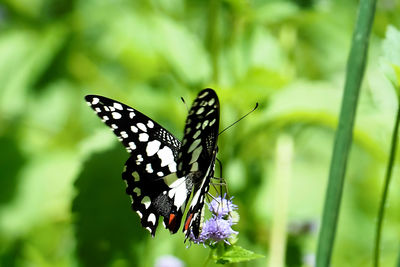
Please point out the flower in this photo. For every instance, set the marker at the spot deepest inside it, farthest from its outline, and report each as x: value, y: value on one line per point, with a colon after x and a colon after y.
x: 219, y: 226
x: 168, y: 261
x: 221, y: 206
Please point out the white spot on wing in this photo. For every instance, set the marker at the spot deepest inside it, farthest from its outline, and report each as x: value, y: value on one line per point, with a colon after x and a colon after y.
x: 194, y: 145
x: 95, y: 100
x: 97, y: 110
x: 124, y: 134
x: 137, y: 191
x: 212, y: 122
x: 211, y: 102
x: 132, y: 145
x: 203, y: 95
x: 208, y: 113
x: 116, y: 115
x: 149, y: 169
x: 150, y: 124
x: 178, y: 192
x: 166, y: 156
x: 142, y: 127
x: 195, y: 167
x: 143, y: 137
x: 139, y: 213
x: 152, y: 218
x: 139, y: 159
x: 114, y: 126
x: 136, y: 176
x: 196, y: 153
x: 205, y: 123
x: 161, y: 174
x: 134, y: 129
x: 152, y: 147
x: 196, y: 195
x: 118, y: 106
x: 200, y: 110
x: 146, y: 202
x: 172, y: 167
x: 196, y: 134
x: 131, y: 115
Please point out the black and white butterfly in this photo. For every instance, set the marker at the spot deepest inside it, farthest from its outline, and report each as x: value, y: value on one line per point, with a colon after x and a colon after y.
x: 162, y: 172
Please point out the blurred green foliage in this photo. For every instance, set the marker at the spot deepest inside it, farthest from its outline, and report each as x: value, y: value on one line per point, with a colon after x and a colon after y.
x: 62, y: 199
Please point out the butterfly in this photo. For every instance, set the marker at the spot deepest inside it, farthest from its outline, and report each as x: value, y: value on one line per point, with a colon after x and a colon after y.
x: 163, y: 173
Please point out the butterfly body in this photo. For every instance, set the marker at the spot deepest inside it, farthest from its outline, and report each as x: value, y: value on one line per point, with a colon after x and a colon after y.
x: 163, y: 173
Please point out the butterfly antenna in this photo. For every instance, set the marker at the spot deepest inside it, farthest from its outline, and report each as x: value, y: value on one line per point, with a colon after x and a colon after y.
x: 184, y: 102
x: 239, y: 119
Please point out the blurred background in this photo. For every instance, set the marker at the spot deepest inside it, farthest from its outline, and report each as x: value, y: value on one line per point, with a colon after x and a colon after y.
x: 62, y: 199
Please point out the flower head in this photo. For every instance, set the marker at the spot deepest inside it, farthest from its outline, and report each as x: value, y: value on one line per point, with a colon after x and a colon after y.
x: 219, y: 226
x: 221, y: 206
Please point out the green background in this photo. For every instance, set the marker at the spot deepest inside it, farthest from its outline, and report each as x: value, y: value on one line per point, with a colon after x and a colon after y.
x: 62, y: 200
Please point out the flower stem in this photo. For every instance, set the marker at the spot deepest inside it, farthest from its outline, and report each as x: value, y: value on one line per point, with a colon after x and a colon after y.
x: 388, y: 176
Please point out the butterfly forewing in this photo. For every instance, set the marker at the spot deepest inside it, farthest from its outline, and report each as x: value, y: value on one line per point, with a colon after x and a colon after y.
x: 129, y: 125
x: 150, y: 172
x: 196, y: 157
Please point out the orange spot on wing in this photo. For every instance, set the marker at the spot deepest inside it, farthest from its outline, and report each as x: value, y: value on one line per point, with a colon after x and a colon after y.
x: 188, y: 222
x: 171, y: 218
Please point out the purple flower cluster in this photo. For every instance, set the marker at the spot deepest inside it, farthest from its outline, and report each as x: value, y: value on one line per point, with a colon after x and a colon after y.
x: 219, y: 226
x: 221, y: 206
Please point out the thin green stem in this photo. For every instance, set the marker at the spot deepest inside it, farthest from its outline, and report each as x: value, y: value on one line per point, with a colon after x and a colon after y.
x: 354, y: 75
x: 388, y: 176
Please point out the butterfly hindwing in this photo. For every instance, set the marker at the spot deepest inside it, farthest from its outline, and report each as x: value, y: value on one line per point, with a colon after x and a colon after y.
x: 150, y: 170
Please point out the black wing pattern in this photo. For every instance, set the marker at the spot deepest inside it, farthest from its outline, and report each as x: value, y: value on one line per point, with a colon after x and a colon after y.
x: 161, y: 173
x: 149, y: 172
x: 196, y: 157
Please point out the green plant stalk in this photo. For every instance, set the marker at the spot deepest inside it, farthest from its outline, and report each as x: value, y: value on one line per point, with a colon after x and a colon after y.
x: 388, y: 176
x: 354, y: 74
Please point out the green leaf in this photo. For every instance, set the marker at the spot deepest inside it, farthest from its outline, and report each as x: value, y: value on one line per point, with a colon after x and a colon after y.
x: 233, y: 254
